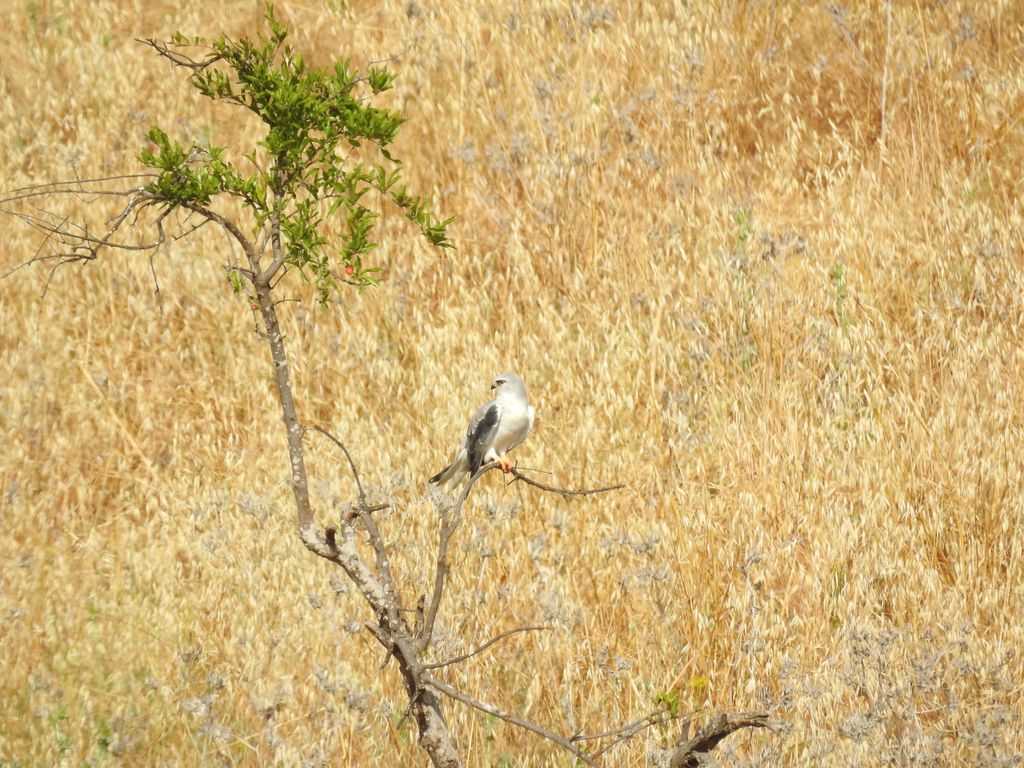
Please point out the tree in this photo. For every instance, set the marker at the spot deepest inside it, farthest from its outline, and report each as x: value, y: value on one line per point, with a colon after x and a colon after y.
x: 323, y: 155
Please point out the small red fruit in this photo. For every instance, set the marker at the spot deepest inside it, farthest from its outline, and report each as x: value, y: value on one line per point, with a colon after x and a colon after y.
x: 350, y: 270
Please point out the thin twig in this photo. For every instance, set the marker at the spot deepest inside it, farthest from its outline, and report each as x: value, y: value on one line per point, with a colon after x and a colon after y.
x: 156, y: 280
x: 351, y: 463
x: 654, y: 718
x: 628, y: 731
x: 535, y: 469
x: 484, y: 647
x: 179, y: 59
x: 490, y: 709
x: 564, y: 491
x: 372, y: 530
x: 35, y: 257
x: 231, y: 228
x: 31, y: 193
x: 41, y: 189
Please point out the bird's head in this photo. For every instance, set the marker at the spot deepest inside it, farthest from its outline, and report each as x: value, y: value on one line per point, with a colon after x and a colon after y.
x: 508, y: 382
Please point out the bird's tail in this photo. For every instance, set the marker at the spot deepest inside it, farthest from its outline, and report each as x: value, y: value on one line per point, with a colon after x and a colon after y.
x: 450, y: 476
x: 443, y: 475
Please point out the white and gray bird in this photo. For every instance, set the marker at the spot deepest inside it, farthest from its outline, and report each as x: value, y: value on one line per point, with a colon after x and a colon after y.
x: 495, y: 429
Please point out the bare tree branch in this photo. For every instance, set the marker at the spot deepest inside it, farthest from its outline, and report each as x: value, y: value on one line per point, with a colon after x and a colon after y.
x: 84, y: 246
x: 691, y: 753
x: 381, y: 554
x: 519, y: 476
x: 451, y: 519
x: 484, y: 647
x: 365, y: 514
x: 657, y: 717
x: 490, y: 709
x: 348, y: 456
x: 179, y: 59
x: 74, y: 188
x: 51, y: 187
x: 630, y: 730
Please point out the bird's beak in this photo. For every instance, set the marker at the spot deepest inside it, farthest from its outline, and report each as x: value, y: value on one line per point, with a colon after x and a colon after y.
x: 494, y: 386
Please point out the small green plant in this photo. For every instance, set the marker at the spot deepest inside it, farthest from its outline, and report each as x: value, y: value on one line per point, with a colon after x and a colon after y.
x: 837, y: 275
x: 744, y: 229
x: 837, y: 583
x: 61, y: 739
x: 104, y: 736
x: 669, y: 701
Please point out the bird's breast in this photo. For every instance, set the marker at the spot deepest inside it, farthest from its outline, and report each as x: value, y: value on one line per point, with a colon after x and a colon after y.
x: 514, y: 425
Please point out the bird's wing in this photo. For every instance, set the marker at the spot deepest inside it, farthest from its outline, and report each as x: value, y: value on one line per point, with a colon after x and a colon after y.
x: 480, y: 434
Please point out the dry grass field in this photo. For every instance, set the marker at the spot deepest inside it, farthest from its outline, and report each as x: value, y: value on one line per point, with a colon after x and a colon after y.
x: 760, y: 261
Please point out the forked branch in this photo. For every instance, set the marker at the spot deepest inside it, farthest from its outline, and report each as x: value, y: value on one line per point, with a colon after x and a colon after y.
x: 451, y: 518
x: 694, y: 752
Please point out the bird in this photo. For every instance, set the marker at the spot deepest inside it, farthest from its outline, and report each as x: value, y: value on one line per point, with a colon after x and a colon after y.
x: 495, y: 429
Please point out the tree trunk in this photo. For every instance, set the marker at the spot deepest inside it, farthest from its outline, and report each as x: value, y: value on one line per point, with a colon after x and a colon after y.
x: 282, y: 376
x: 434, y: 736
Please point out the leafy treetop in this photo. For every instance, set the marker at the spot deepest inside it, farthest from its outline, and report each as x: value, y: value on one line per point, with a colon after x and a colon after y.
x: 315, y: 118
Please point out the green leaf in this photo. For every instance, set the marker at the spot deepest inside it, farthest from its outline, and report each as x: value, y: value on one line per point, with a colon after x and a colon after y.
x: 380, y: 79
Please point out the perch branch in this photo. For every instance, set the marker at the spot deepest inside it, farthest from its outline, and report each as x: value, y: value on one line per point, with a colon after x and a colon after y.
x: 519, y: 476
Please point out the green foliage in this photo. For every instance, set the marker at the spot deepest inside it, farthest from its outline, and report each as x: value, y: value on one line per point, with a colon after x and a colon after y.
x: 57, y: 719
x: 744, y: 229
x: 837, y: 275
x: 298, y: 175
x: 104, y: 736
x: 669, y: 701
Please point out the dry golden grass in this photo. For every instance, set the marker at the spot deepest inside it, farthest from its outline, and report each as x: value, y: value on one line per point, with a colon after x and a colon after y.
x: 798, y: 340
